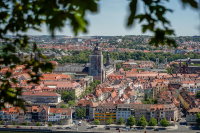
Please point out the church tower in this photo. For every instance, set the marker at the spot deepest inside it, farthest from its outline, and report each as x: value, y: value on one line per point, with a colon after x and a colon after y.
x: 96, y: 68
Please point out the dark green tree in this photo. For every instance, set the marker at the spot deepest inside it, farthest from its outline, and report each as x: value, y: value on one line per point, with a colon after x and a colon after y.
x: 118, y: 66
x: 80, y: 113
x: 153, y: 122
x: 198, y: 118
x: 131, y: 121
x: 198, y: 95
x: 120, y: 121
x: 164, y: 122
x: 50, y: 124
x: 71, y: 103
x: 142, y: 122
x: 68, y: 96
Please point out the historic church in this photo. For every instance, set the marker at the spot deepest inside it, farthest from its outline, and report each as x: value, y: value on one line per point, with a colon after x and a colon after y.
x: 97, y: 69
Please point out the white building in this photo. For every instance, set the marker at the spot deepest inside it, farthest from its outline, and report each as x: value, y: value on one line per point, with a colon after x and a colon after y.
x: 57, y: 114
x: 41, y: 97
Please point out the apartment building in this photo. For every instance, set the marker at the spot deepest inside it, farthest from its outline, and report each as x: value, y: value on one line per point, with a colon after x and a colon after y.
x: 89, y: 106
x: 62, y: 86
x: 35, y: 114
x: 104, y: 112
x: 33, y: 97
x: 57, y: 114
x: 158, y: 111
x: 187, y: 100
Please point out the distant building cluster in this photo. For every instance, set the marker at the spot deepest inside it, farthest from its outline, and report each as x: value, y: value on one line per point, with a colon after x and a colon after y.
x: 139, y: 88
x: 38, y: 113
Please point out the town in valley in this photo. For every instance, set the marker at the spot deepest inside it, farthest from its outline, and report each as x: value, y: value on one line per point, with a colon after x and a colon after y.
x: 108, y: 84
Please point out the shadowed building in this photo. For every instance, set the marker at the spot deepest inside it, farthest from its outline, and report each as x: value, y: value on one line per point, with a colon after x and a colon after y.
x: 96, y: 64
x: 97, y: 69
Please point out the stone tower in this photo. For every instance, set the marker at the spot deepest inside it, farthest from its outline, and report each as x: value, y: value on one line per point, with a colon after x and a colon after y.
x: 108, y: 59
x: 96, y: 68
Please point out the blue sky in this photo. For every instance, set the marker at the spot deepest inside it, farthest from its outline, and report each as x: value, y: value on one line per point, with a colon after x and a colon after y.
x: 112, y: 16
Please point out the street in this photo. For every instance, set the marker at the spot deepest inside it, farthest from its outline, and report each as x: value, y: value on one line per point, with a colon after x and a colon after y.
x: 83, y: 126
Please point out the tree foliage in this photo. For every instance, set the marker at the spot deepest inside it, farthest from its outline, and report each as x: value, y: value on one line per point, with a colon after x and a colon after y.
x: 80, y: 113
x: 142, y: 122
x: 164, y: 122
x: 109, y: 121
x: 38, y: 124
x: 91, y: 88
x: 198, y: 118
x: 68, y: 96
x: 154, y: 19
x: 120, y: 121
x: 198, y: 95
x: 96, y: 122
x: 71, y: 103
x: 131, y: 121
x: 50, y: 124
x: 153, y: 122
x: 63, y: 106
x: 75, y: 58
x: 149, y: 101
x: 19, y: 16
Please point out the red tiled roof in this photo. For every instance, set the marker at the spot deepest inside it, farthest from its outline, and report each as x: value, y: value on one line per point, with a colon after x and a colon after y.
x: 53, y: 76
x: 31, y: 93
x: 84, y: 102
x: 62, y: 84
x: 60, y: 111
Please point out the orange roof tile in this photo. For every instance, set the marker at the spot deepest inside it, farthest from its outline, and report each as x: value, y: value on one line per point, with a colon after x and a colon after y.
x: 60, y: 111
x: 31, y: 93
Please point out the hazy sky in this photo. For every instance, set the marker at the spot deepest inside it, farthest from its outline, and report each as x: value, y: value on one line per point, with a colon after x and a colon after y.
x: 112, y: 17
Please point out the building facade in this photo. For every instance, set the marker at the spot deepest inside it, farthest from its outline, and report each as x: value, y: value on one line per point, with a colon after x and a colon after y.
x: 96, y: 64
x: 105, y: 112
x: 157, y: 111
x: 41, y: 97
x: 191, y: 116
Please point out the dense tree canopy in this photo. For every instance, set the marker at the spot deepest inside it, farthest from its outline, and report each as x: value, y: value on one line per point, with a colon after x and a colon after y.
x: 19, y: 16
x: 120, y: 121
x: 164, y: 122
x: 142, y: 122
x: 153, y: 122
x: 131, y: 121
x: 80, y: 113
x: 68, y: 96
